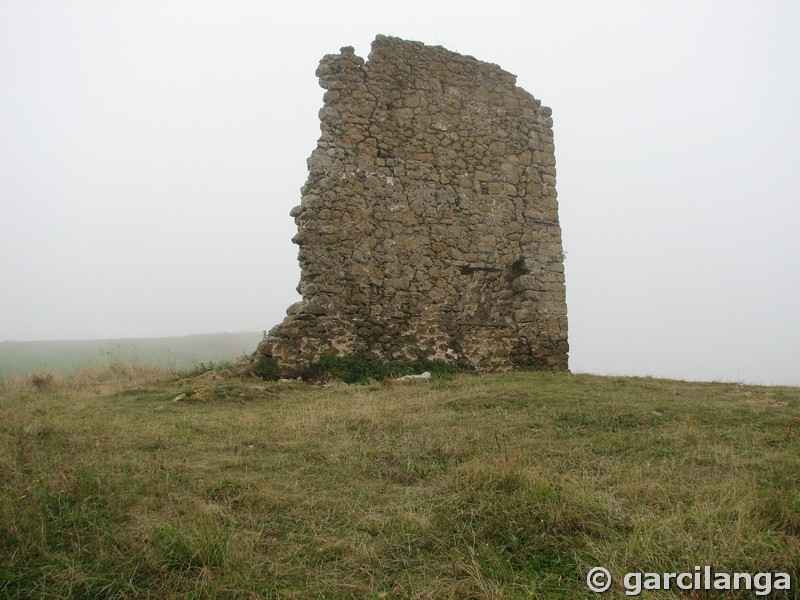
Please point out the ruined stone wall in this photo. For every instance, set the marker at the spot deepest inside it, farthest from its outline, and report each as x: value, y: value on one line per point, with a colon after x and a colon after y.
x: 428, y: 227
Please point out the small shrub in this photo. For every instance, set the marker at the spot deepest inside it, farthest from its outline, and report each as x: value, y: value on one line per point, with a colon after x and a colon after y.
x: 314, y: 373
x: 267, y: 369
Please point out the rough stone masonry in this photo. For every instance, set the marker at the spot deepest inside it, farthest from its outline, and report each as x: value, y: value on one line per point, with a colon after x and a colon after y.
x: 428, y: 227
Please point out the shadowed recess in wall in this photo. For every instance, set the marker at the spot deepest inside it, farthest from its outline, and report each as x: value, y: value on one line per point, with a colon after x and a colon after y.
x: 428, y: 227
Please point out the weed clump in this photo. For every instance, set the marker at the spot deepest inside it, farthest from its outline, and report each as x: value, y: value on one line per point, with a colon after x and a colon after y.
x: 42, y: 381
x: 210, y: 367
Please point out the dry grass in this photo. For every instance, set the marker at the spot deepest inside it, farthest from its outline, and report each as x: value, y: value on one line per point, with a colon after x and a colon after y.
x: 502, y: 486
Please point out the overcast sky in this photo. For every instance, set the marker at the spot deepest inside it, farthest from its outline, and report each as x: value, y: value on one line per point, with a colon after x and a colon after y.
x: 150, y: 153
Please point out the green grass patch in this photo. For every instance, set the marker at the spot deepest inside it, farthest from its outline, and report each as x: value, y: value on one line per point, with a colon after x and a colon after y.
x: 138, y: 484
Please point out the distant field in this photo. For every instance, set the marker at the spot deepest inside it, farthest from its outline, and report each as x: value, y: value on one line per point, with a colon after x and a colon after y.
x: 169, y: 353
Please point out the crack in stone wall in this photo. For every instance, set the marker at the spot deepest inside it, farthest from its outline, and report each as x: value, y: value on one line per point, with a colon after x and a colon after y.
x: 428, y: 226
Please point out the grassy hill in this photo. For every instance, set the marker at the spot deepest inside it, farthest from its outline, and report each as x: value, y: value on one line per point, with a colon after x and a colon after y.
x: 169, y: 353
x: 135, y: 483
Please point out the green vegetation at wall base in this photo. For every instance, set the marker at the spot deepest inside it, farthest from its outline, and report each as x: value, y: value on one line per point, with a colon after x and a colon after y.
x: 356, y: 368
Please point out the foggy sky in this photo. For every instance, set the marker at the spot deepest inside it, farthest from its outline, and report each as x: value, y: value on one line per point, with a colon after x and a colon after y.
x: 150, y: 153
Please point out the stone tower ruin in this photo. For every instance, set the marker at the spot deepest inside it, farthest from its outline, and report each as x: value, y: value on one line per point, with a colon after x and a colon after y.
x: 428, y: 227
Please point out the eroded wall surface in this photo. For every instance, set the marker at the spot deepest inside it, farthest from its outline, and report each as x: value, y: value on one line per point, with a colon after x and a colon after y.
x: 428, y: 227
